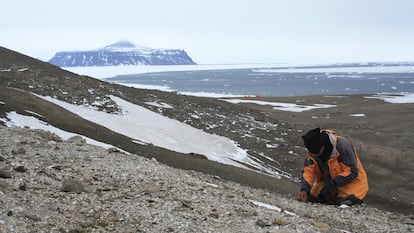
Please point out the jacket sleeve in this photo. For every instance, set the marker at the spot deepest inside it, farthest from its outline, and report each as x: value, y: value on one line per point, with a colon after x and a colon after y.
x: 348, y: 162
x: 308, y: 175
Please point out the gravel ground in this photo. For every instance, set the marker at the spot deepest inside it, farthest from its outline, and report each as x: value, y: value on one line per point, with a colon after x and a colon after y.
x: 50, y: 185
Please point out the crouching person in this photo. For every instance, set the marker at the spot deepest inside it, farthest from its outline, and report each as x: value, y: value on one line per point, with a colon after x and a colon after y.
x: 333, y: 173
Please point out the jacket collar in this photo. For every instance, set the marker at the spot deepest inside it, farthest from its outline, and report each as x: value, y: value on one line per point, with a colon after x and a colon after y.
x: 333, y: 139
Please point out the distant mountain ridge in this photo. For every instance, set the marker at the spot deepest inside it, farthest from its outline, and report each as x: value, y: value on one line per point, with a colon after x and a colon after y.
x: 122, y: 53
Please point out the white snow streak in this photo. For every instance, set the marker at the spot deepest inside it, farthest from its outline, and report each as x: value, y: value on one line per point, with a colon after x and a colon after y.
x: 159, y: 105
x: 282, y: 106
x: 271, y: 207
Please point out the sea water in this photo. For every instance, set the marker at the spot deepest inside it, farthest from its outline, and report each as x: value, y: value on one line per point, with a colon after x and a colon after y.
x: 293, y: 81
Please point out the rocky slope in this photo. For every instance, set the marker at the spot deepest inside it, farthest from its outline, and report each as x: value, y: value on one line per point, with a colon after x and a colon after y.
x: 385, y: 149
x: 50, y: 185
x: 19, y: 72
x: 122, y: 53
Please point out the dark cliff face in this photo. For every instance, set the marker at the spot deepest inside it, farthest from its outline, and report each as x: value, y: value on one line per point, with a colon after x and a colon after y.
x: 122, y: 53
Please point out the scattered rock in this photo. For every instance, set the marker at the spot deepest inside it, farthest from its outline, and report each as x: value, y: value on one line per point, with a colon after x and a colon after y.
x: 49, y: 136
x: 263, y: 223
x: 103, y: 189
x: 113, y: 150
x: 51, y: 143
x: 186, y: 203
x: 57, y: 167
x: 151, y: 200
x: 321, y: 226
x: 280, y: 222
x: 5, y: 174
x: 135, y: 194
x: 78, y: 140
x: 72, y: 185
x: 22, y: 187
x: 19, y: 151
x: 20, y: 169
x: 3, y: 184
x: 32, y: 217
x: 151, y: 189
x: 214, y: 213
x: 1, y: 159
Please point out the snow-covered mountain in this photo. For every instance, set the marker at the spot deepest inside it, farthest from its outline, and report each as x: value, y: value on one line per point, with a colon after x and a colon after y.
x: 122, y: 53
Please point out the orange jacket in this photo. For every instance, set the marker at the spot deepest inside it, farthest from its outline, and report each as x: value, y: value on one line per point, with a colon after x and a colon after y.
x: 345, y: 169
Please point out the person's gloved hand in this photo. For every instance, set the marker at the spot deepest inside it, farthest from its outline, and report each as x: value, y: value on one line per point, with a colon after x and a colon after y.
x: 302, y: 196
x: 328, y: 188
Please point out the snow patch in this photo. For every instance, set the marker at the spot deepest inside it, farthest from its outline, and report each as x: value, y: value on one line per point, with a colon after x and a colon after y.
x: 139, y: 142
x: 358, y: 115
x: 17, y: 120
x: 148, y: 87
x: 271, y: 207
x: 146, y: 126
x: 402, y: 98
x: 282, y: 106
x: 336, y: 96
x: 210, y: 95
x: 343, y: 206
x: 34, y: 113
x: 159, y: 105
x: 23, y: 69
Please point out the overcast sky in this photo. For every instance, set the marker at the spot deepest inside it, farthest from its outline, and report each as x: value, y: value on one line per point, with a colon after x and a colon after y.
x: 217, y: 31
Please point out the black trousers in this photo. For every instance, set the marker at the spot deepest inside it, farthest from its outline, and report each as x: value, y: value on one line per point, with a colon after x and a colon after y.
x: 349, y: 200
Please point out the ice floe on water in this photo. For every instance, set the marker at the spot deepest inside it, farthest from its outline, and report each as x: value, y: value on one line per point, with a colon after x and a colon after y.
x: 225, y: 81
x: 112, y: 71
x: 351, y: 71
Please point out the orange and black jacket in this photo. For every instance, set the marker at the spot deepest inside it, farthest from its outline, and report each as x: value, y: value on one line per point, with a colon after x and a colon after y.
x: 345, y: 169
